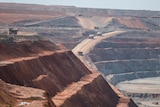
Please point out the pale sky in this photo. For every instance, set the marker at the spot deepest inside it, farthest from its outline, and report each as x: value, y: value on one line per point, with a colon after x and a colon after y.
x: 112, y: 4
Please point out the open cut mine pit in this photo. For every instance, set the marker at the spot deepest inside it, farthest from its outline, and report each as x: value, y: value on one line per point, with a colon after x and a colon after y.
x: 59, y: 78
x: 127, y: 60
x: 122, y: 44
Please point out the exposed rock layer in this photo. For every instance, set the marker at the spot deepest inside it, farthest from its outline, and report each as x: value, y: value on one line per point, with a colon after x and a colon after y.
x: 128, y: 56
x: 59, y: 72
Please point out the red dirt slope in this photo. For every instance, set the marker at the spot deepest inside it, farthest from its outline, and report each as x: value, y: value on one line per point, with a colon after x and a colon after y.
x: 11, y: 13
x: 61, y: 74
x: 17, y: 96
x: 83, y: 94
x: 91, y: 91
x: 51, y: 72
x: 23, y: 49
x: 132, y: 23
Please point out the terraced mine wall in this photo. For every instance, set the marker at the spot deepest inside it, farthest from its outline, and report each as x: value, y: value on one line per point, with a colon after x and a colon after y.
x: 128, y: 56
x: 66, y: 25
x: 54, y: 72
x: 75, y: 10
x: 15, y: 96
x: 11, y: 49
x: 51, y: 73
x: 62, y: 78
x: 101, y: 99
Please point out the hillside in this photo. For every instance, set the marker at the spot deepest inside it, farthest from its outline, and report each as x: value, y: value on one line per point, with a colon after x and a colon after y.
x: 55, y: 72
x: 16, y: 96
x: 83, y: 11
x: 13, y: 50
x: 66, y: 25
x: 16, y: 13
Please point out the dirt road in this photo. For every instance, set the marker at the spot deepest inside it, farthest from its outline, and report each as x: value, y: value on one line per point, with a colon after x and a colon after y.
x: 88, y: 44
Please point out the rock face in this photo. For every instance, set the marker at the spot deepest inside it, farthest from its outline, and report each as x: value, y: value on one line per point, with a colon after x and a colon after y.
x: 17, y: 96
x: 132, y: 53
x: 58, y: 68
x: 85, y: 97
x: 128, y: 56
x: 62, y: 77
x: 57, y: 22
x: 11, y: 50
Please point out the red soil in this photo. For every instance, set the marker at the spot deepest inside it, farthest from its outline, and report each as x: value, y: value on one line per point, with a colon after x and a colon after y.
x: 24, y: 49
x: 92, y: 91
x: 132, y: 23
x: 14, y: 96
x: 60, y: 69
x: 11, y: 16
x: 60, y: 73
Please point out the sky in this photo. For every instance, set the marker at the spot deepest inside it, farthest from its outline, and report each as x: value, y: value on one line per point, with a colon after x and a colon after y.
x: 108, y: 4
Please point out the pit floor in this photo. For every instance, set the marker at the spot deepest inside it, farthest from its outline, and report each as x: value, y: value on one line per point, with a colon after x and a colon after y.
x: 143, y: 85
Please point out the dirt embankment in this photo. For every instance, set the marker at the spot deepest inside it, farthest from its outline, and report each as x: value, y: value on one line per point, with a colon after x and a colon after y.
x: 128, y: 56
x: 132, y: 23
x: 92, y: 22
x: 61, y: 75
x: 51, y: 72
x: 86, y: 97
x: 10, y: 16
x: 17, y: 96
x: 10, y: 50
